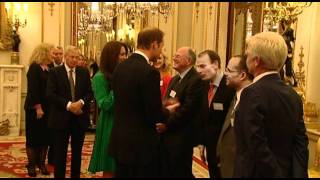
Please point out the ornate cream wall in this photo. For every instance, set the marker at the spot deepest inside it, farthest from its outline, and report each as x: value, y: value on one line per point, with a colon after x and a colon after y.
x: 308, y: 36
x: 41, y: 27
x: 198, y: 25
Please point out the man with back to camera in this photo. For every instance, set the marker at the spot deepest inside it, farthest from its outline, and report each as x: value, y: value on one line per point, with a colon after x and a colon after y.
x: 138, y: 108
x: 270, y: 131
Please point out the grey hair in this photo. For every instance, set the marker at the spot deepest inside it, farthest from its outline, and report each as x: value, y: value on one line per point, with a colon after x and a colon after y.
x: 192, y: 56
x: 71, y: 48
x: 270, y: 47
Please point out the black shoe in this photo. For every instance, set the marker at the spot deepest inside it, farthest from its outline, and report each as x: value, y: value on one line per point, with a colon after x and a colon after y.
x: 31, y: 170
x: 44, y: 170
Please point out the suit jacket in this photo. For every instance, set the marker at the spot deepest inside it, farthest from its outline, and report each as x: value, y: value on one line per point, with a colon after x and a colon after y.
x: 226, y: 147
x: 138, y: 107
x: 270, y: 131
x: 51, y: 65
x: 59, y: 94
x: 184, y: 125
x: 216, y: 115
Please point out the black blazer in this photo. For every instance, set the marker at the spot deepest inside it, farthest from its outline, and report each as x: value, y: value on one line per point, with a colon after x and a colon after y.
x: 138, y: 107
x: 37, y: 83
x: 184, y: 126
x: 270, y: 131
x: 216, y: 115
x: 59, y: 94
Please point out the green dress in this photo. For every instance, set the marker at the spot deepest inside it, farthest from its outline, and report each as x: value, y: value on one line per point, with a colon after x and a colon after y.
x: 100, y: 161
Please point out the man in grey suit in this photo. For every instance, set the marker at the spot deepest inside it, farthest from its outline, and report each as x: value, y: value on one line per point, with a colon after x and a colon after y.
x: 237, y: 77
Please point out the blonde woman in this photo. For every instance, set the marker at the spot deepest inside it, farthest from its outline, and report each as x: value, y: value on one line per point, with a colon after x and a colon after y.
x: 36, y: 109
x: 163, y: 67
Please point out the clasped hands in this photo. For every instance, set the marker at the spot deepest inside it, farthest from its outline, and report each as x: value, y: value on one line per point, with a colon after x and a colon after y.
x: 75, y: 107
x: 171, y: 104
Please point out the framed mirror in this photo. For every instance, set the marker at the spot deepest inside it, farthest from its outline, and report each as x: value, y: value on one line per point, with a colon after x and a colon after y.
x: 245, y: 19
x: 5, y: 29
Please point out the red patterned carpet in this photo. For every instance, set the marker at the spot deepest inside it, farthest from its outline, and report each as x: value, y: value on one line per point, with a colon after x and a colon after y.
x: 13, y: 160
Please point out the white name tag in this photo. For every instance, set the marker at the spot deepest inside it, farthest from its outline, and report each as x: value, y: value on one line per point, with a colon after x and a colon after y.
x: 161, y: 83
x: 218, y: 106
x: 172, y: 93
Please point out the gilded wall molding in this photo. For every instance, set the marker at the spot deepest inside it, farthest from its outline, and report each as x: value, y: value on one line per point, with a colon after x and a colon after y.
x: 51, y: 8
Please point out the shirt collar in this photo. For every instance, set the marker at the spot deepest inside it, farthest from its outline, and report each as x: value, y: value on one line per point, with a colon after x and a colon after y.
x: 263, y: 74
x: 142, y: 54
x: 183, y: 74
x: 68, y: 68
x: 55, y: 64
x: 239, y: 93
x: 218, y: 79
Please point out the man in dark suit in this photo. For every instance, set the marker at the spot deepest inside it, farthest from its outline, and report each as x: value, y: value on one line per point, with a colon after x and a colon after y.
x: 182, y: 126
x: 269, y: 127
x: 219, y: 97
x: 134, y: 140
x: 56, y: 54
x: 237, y: 77
x: 57, y: 57
x: 69, y: 93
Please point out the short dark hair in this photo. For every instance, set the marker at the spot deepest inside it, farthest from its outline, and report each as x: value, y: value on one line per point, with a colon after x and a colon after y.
x: 214, y: 57
x: 147, y: 36
x: 242, y: 66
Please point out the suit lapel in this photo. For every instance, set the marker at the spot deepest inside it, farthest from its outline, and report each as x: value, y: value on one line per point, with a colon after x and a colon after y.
x: 230, y: 115
x: 172, y: 86
x: 64, y: 76
x: 179, y: 86
x: 77, y: 81
x: 227, y: 122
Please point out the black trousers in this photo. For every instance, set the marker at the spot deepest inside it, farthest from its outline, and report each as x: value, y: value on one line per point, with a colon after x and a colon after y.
x: 61, y: 142
x: 180, y: 162
x: 214, y: 170
x: 137, y: 171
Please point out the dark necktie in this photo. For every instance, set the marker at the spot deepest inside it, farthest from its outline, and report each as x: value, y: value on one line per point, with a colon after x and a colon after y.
x: 71, y: 81
x: 233, y: 106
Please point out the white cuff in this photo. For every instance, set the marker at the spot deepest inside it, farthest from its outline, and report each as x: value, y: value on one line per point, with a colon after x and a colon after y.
x: 68, y: 105
x: 81, y: 101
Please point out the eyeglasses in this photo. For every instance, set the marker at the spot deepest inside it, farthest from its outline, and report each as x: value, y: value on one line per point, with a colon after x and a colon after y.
x: 230, y: 71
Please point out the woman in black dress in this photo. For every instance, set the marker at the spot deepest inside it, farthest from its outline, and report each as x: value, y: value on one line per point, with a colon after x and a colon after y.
x: 36, y: 109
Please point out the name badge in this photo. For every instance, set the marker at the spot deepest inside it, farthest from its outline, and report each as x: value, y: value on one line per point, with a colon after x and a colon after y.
x: 218, y: 106
x: 172, y: 93
x: 161, y: 83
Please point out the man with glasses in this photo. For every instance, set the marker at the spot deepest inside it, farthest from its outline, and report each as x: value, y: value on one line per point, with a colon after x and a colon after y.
x: 182, y: 125
x: 271, y: 138
x: 237, y: 77
x: 219, y: 97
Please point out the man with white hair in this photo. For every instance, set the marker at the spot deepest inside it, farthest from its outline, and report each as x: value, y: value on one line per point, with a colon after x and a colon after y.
x: 69, y: 94
x: 270, y: 132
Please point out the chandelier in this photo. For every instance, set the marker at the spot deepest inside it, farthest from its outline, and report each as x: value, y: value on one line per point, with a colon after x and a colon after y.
x: 137, y: 9
x: 98, y: 16
x: 274, y: 12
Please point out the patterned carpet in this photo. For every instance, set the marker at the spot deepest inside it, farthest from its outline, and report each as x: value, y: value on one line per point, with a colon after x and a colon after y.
x: 13, y: 160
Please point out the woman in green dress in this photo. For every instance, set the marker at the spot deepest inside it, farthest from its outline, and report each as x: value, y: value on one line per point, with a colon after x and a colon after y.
x: 112, y: 53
